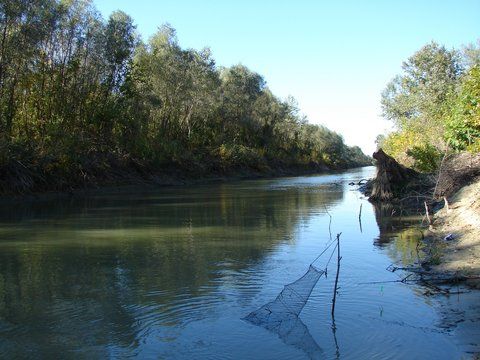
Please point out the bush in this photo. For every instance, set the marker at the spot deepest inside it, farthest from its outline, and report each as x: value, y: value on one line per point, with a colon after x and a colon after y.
x: 426, y: 157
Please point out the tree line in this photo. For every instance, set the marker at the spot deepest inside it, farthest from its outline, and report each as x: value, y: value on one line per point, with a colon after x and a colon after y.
x: 79, y: 93
x: 435, y: 106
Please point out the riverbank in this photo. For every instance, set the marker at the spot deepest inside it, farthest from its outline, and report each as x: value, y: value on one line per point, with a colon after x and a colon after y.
x: 455, y: 234
x: 21, y: 182
x: 452, y: 199
x: 457, y: 228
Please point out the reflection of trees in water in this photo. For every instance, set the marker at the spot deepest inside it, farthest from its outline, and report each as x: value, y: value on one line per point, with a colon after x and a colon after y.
x: 54, y: 301
x: 399, y: 227
x: 100, y: 270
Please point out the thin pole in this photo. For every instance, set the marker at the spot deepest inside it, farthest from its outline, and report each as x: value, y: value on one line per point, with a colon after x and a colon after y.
x: 360, y: 218
x: 329, y: 223
x: 336, y: 279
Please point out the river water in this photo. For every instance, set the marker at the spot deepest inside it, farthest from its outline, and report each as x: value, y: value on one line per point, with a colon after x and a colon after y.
x: 170, y: 273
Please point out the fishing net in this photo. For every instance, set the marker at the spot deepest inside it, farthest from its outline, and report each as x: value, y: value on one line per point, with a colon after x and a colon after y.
x: 280, y: 316
x: 290, y: 301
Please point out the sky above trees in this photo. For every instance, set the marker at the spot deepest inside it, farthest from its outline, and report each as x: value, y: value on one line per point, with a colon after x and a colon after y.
x: 334, y: 57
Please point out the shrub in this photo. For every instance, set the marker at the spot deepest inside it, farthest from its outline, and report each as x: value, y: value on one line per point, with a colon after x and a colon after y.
x: 426, y: 157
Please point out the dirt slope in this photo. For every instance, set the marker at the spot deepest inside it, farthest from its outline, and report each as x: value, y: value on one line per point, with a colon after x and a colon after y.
x: 462, y: 221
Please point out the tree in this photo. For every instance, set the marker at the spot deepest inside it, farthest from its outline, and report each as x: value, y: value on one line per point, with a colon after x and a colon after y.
x: 240, y: 90
x: 471, y: 55
x: 417, y: 99
x: 463, y: 125
x: 120, y: 41
x: 80, y: 95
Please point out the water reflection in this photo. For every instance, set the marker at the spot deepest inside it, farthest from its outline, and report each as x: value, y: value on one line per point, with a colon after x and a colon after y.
x: 168, y: 273
x: 399, y: 228
x: 101, y: 271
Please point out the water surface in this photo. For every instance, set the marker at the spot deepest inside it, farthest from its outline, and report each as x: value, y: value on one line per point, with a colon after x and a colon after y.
x: 170, y: 273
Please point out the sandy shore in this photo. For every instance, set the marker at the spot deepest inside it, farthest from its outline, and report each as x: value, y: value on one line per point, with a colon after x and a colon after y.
x: 462, y: 220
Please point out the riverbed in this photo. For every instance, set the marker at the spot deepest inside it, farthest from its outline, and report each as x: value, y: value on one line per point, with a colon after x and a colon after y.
x: 171, y: 272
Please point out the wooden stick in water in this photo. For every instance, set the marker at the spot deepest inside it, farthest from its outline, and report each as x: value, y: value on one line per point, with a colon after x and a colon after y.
x: 360, y: 218
x: 336, y: 280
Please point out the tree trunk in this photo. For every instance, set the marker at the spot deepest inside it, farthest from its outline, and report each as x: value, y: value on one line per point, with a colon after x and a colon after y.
x: 391, y: 177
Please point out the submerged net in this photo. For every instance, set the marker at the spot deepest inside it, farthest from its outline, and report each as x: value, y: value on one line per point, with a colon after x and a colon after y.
x: 290, y: 301
x: 281, y: 315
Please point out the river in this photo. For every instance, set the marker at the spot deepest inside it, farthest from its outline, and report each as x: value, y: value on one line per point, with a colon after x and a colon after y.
x: 170, y: 273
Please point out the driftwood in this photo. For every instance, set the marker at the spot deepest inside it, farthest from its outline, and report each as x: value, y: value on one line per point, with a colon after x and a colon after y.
x: 391, y: 177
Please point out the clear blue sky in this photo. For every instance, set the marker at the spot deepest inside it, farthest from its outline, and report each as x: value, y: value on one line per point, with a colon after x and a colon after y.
x: 334, y: 57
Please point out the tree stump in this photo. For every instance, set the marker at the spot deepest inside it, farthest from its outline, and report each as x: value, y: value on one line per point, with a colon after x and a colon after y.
x: 391, y: 177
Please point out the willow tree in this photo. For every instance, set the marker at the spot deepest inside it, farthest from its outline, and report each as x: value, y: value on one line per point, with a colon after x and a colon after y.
x: 240, y: 90
x: 180, y: 88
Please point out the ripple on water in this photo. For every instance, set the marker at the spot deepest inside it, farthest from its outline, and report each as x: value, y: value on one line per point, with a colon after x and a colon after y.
x: 194, y: 266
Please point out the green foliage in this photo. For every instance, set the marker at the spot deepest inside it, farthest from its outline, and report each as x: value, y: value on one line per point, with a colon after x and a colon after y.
x: 81, y: 93
x: 427, y: 157
x: 434, y: 104
x: 397, y: 143
x: 417, y: 99
x: 240, y: 156
x: 356, y: 156
x: 463, y: 124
